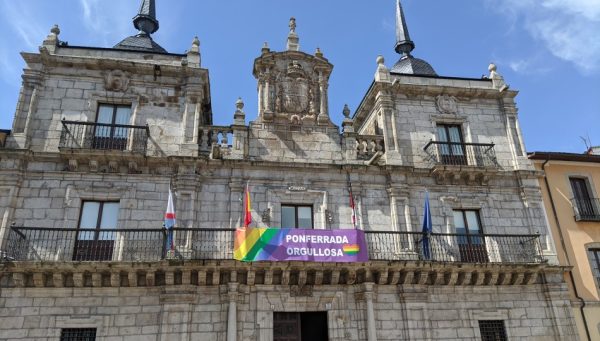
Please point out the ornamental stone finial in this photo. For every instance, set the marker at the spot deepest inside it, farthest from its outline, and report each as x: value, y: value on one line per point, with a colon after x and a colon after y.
x: 265, y: 48
x: 193, y: 55
x: 319, y: 53
x: 55, y: 30
x: 346, y: 111
x: 239, y: 104
x: 293, y: 39
x: 497, y: 79
x: 195, y: 45
x: 382, y: 74
x: 51, y: 40
x: 239, y: 116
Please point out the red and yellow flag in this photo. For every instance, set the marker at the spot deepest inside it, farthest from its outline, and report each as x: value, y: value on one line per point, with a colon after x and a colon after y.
x: 247, y: 207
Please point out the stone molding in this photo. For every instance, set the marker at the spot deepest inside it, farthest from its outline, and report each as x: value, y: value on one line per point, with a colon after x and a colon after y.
x: 296, y: 275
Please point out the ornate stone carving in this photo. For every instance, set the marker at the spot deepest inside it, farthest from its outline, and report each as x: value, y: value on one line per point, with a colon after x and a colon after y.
x: 295, y: 89
x: 116, y: 80
x: 446, y: 104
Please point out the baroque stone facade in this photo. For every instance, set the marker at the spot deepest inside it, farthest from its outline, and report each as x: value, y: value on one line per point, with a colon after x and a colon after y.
x: 414, y: 133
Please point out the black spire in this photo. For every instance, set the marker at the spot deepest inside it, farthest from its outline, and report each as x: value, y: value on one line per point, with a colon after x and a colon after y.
x: 403, y: 43
x: 404, y: 46
x: 145, y: 20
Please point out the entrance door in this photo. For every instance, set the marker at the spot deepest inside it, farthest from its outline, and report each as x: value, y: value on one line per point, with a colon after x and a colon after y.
x: 307, y: 326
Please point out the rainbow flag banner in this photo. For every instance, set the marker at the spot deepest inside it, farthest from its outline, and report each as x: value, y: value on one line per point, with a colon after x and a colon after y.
x: 271, y: 244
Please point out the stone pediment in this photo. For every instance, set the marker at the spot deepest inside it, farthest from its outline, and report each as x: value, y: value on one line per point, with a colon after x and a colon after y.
x: 292, y: 88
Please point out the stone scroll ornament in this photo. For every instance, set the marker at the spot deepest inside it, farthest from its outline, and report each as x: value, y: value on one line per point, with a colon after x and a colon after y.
x: 273, y: 244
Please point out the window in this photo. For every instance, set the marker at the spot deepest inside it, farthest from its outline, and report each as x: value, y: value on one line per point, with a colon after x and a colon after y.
x: 451, y: 146
x: 296, y: 217
x: 305, y: 326
x: 78, y: 334
x: 471, y: 242
x: 110, y: 131
x: 594, y: 255
x: 95, y: 241
x: 492, y: 330
x: 586, y: 207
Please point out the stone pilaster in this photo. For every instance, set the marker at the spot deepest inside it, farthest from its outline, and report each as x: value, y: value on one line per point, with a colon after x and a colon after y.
x: 232, y: 295
x: 369, y: 297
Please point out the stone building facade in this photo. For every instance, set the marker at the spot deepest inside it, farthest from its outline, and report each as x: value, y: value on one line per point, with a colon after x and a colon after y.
x: 101, y: 134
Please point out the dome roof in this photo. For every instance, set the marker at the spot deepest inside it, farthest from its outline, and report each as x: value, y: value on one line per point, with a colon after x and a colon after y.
x: 413, y: 66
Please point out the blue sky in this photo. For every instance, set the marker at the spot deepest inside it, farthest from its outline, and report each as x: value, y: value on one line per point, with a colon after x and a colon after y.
x: 549, y: 50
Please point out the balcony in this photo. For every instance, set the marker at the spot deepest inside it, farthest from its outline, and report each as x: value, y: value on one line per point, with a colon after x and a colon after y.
x: 100, y: 136
x: 455, y: 248
x: 586, y: 209
x: 134, y: 245
x: 462, y: 154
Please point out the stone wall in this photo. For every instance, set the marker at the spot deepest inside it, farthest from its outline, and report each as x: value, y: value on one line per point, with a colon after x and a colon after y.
x: 411, y: 312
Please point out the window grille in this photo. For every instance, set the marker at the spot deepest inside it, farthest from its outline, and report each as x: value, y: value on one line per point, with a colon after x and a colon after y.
x: 492, y: 330
x: 78, y: 334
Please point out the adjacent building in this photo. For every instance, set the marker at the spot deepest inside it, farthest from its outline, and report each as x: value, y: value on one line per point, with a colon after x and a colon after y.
x: 570, y: 188
x: 100, y: 135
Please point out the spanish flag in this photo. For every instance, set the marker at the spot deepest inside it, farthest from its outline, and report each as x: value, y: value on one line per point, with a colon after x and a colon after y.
x: 247, y: 207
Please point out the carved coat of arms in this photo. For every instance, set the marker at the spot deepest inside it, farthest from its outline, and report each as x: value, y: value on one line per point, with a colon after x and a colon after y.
x: 295, y: 89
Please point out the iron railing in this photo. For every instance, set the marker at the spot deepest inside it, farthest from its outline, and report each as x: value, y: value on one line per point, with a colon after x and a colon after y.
x: 65, y: 244
x: 586, y: 209
x: 446, y: 247
x: 462, y: 154
x: 69, y: 244
x: 91, y: 135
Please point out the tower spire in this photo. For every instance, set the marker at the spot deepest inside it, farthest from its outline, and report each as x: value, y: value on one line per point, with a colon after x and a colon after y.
x: 145, y: 20
x: 403, y: 43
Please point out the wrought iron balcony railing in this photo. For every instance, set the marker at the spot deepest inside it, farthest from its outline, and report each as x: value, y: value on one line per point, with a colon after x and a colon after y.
x: 91, y: 135
x: 64, y: 245
x: 462, y: 248
x: 462, y: 154
x: 586, y: 209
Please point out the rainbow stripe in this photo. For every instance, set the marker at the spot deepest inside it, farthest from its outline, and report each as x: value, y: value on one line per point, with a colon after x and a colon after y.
x: 252, y: 244
x: 351, y: 249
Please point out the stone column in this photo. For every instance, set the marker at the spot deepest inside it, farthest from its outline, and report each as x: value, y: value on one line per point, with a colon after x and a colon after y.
x: 260, y: 98
x: 369, y: 296
x: 232, y: 312
x: 267, y: 93
x: 323, y: 116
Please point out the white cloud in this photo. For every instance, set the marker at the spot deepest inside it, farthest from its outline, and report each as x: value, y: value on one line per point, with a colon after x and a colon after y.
x: 30, y: 32
x: 568, y: 29
x: 108, y: 27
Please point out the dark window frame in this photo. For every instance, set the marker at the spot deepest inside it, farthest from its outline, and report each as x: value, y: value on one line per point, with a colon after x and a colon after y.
x: 95, y: 249
x: 472, y: 247
x: 464, y: 215
x: 296, y: 206
x: 97, y: 229
x: 114, y: 113
x: 78, y: 334
x: 119, y: 142
x: 595, y: 253
x: 585, y: 202
x: 452, y: 156
x: 493, y: 330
